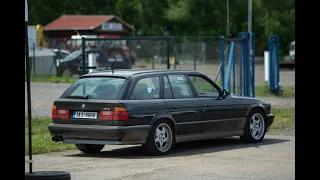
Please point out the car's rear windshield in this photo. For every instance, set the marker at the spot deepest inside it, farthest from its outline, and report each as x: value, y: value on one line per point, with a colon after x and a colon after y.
x: 95, y: 88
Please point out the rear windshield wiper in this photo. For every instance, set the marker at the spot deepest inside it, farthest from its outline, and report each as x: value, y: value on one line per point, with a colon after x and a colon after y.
x: 79, y: 97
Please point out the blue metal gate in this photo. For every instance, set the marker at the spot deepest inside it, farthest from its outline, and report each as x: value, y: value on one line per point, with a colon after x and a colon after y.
x: 237, y: 72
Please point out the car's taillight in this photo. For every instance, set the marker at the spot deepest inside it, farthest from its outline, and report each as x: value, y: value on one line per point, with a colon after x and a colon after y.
x: 119, y: 113
x: 106, y: 115
x: 63, y: 114
x: 60, y: 113
x: 54, y: 112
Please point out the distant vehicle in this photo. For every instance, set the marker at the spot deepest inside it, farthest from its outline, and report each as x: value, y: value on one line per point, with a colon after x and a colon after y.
x: 61, y: 53
x: 292, y: 50
x: 72, y: 63
x: 289, y: 60
x: 155, y: 108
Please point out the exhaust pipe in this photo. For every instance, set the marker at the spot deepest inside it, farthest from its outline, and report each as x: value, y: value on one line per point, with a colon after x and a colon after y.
x: 54, y: 138
x: 57, y: 138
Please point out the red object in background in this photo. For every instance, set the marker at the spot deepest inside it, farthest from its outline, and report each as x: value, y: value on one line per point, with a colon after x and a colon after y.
x: 109, y: 36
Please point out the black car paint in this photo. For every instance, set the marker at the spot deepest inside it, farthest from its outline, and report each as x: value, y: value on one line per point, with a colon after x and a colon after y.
x: 193, y: 118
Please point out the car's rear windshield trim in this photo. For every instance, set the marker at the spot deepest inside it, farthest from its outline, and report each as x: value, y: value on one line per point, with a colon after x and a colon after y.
x: 102, y: 76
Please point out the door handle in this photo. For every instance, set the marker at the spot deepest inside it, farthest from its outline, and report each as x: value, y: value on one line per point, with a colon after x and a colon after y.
x: 174, y: 107
x: 206, y: 105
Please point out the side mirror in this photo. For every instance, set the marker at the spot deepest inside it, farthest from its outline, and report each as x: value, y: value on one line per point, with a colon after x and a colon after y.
x: 225, y: 92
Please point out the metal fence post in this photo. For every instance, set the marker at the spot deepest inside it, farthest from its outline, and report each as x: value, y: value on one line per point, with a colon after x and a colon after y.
x: 222, y: 61
x: 168, y: 53
x: 195, y: 56
x: 252, y: 64
x: 34, y: 59
x: 244, y: 38
x: 153, y: 52
x: 83, y: 54
x: 234, y: 70
x: 229, y: 66
x: 278, y: 65
x: 274, y: 60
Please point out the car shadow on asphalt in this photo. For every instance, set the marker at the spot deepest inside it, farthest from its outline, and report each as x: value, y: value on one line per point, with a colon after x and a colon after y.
x: 182, y: 149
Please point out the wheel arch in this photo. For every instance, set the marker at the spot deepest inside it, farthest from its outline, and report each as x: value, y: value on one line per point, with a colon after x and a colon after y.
x: 257, y: 106
x: 167, y: 117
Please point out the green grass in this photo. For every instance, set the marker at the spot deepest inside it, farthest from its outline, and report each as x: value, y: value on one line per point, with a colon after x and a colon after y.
x: 286, y: 92
x: 263, y: 91
x: 52, y: 79
x: 41, y: 138
x: 284, y: 118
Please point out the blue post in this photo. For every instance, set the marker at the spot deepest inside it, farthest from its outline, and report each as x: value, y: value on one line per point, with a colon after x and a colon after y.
x: 234, y: 74
x: 246, y: 69
x: 252, y: 64
x: 278, y: 64
x: 222, y: 60
x: 274, y: 64
x: 244, y: 36
x: 271, y: 68
x: 229, y: 66
x: 241, y: 56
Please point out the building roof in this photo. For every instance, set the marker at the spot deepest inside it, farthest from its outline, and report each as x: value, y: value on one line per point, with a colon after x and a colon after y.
x: 81, y: 22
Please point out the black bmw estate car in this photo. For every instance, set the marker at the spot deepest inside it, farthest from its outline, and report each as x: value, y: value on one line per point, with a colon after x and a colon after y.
x: 155, y: 108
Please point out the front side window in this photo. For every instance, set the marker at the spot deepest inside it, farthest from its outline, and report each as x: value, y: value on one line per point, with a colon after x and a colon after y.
x: 203, y: 87
x: 146, y: 88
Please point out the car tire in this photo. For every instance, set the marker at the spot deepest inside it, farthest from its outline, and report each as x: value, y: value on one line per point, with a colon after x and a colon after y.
x: 161, y: 138
x: 255, y: 127
x: 90, y: 148
x: 67, y: 73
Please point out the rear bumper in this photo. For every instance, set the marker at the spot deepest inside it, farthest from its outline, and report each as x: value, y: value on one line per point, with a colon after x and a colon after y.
x: 95, y: 134
x: 270, y: 118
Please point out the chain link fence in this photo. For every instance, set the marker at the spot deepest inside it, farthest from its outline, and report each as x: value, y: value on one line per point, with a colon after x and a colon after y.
x: 59, y: 62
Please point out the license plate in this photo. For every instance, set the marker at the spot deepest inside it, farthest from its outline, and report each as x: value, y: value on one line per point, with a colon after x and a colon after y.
x: 115, y: 59
x: 111, y: 60
x: 119, y: 59
x: 84, y: 115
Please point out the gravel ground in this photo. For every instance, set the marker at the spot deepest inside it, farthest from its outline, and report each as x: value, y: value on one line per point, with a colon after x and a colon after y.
x: 228, y: 158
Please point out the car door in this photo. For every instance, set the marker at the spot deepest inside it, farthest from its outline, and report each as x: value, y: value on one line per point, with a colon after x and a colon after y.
x: 218, y: 113
x: 182, y: 104
x: 144, y: 100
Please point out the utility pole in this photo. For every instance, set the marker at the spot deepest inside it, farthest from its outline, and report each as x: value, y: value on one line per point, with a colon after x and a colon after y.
x: 228, y: 32
x: 250, y: 26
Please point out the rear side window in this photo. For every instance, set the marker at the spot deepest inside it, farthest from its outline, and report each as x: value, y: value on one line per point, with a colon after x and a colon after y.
x: 180, y: 87
x: 146, y: 88
x: 95, y: 88
x: 167, y: 88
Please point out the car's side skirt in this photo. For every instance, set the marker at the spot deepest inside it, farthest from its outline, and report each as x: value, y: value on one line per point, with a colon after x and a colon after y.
x: 195, y: 137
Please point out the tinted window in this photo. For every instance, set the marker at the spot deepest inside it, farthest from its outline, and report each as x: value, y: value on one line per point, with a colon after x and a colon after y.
x: 74, y: 54
x: 167, y: 88
x: 146, y: 88
x: 203, y: 87
x: 180, y: 86
x: 61, y: 55
x: 95, y: 88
